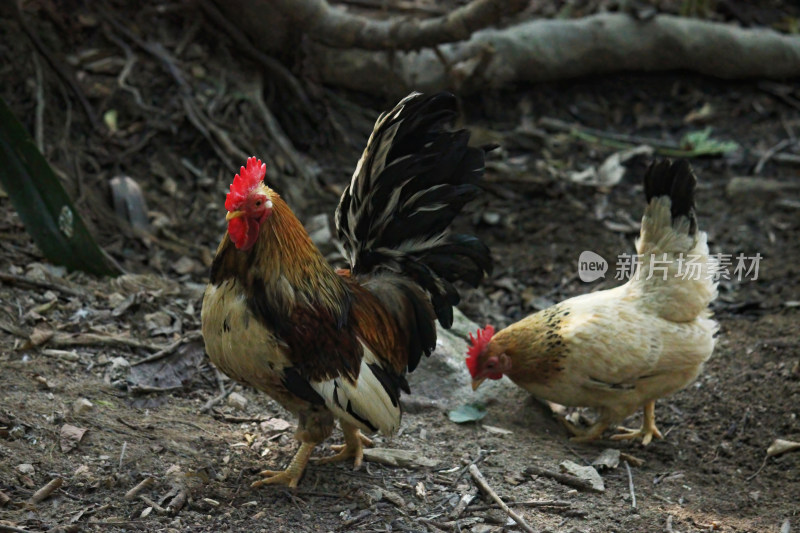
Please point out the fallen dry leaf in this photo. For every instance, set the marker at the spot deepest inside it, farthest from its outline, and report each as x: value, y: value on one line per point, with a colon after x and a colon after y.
x: 70, y: 437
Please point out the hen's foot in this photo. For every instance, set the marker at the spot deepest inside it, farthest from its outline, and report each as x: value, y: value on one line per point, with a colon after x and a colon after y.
x: 291, y: 476
x: 594, y: 432
x: 648, y: 429
x: 353, y: 447
x: 646, y: 434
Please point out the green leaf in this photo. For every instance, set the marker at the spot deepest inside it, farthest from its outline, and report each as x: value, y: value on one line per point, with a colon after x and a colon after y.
x: 471, y: 412
x: 701, y: 143
x: 43, y: 204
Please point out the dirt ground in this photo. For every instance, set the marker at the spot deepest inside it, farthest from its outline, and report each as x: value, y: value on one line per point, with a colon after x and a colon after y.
x: 69, y: 337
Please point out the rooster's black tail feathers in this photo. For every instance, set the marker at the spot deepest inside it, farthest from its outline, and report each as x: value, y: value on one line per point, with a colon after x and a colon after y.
x: 412, y: 180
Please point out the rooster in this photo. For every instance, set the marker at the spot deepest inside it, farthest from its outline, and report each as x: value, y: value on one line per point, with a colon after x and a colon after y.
x: 620, y: 349
x: 336, y: 344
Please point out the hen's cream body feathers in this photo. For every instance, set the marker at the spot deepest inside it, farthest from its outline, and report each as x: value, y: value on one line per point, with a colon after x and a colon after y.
x: 620, y: 349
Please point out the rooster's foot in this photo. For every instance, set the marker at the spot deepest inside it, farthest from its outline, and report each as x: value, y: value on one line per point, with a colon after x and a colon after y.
x: 291, y: 476
x: 354, y: 443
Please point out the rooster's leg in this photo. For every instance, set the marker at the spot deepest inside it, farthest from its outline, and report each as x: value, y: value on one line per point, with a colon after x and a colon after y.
x: 353, y: 446
x: 291, y: 476
x: 648, y: 429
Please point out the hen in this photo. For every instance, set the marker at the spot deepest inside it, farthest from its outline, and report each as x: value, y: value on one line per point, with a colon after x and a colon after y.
x: 620, y: 349
x: 330, y: 344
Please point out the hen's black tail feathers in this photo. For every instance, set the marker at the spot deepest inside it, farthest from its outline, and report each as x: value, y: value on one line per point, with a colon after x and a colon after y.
x: 676, y: 180
x: 413, y: 178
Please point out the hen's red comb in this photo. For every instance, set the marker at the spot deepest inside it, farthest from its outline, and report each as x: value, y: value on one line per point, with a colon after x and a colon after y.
x: 477, y: 346
x: 244, y: 181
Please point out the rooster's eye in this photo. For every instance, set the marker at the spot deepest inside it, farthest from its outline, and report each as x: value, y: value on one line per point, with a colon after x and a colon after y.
x: 258, y: 203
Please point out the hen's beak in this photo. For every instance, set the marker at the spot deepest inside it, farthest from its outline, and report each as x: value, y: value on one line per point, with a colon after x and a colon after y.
x: 233, y: 214
x: 477, y: 383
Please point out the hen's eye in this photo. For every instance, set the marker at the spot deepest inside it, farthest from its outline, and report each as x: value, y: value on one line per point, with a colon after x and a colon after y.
x: 258, y: 203
x: 490, y: 364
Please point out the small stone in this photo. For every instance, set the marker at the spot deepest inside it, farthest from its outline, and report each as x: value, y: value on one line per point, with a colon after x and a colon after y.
x: 586, y: 473
x: 156, y: 320
x: 117, y: 373
x: 185, y: 265
x: 26, y: 468
x: 237, y: 401
x: 275, y: 425
x: 607, y: 460
x: 82, y: 406
x: 491, y: 218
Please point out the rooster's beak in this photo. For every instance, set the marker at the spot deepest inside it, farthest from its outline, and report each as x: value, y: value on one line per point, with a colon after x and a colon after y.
x: 477, y: 383
x: 233, y: 214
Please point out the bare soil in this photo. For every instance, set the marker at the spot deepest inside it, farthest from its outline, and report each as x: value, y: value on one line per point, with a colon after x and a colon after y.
x: 159, y: 420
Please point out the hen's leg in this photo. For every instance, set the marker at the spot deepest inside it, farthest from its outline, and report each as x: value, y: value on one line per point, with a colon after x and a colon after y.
x: 648, y: 429
x: 353, y: 446
x: 594, y: 432
x: 291, y: 476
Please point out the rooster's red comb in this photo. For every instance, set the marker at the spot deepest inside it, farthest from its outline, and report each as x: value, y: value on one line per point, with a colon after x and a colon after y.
x: 247, y: 178
x: 478, y: 344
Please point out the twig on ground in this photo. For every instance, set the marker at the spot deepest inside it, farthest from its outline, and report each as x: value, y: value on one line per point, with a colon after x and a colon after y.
x: 619, y: 141
x: 792, y: 159
x: 760, y: 468
x: 5, y: 527
x: 781, y: 92
x: 630, y: 485
x: 122, y: 79
x: 13, y: 279
x: 167, y: 351
x: 215, y: 400
x: 122, y: 454
x: 47, y: 490
x: 532, y: 503
x: 769, y: 154
x: 437, y: 526
x: 14, y: 330
x: 142, y: 485
x: 465, y: 500
x: 484, y: 486
x: 95, y: 339
x: 147, y: 389
x: 157, y: 508
x: 566, y: 479
x: 482, y: 454
x: 669, y: 524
